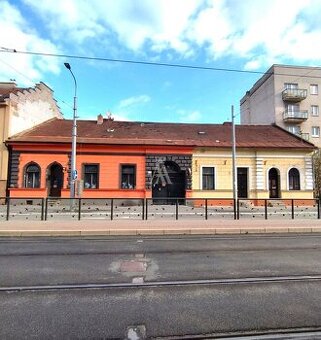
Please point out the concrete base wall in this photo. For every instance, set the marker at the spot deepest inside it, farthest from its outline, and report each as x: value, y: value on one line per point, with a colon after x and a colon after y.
x: 3, y: 185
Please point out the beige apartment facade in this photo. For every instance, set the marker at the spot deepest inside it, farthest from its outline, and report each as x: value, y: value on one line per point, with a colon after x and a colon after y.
x: 22, y: 109
x: 289, y: 96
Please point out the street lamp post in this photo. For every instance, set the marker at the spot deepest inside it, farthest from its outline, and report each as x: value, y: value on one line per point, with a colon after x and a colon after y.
x: 73, y: 173
x: 234, y: 161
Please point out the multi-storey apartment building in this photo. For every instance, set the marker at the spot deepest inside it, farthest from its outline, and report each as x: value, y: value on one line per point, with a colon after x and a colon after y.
x: 22, y: 109
x: 289, y: 96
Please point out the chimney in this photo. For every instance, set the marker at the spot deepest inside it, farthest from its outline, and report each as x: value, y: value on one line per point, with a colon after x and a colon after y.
x: 100, y: 119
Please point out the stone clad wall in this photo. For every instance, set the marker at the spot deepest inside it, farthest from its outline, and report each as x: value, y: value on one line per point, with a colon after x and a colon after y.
x: 183, y: 161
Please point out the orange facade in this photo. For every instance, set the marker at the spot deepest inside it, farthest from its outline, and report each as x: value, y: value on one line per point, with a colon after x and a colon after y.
x: 109, y: 161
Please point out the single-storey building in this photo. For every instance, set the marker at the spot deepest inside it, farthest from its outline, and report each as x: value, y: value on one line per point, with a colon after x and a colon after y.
x: 159, y: 160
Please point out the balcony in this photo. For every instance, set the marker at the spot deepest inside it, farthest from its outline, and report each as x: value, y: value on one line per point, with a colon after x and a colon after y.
x: 294, y: 95
x: 295, y: 116
x: 304, y: 135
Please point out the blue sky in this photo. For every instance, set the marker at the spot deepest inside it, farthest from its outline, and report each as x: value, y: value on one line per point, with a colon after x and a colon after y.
x: 248, y: 35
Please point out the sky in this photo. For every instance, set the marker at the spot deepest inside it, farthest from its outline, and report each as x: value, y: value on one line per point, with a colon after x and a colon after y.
x: 243, y: 35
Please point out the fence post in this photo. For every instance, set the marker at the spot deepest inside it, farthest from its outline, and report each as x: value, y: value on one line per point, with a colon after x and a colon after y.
x: 46, y: 208
x: 8, y: 208
x: 176, y: 208
x: 143, y: 207
x: 292, y: 203
x: 265, y: 209
x: 206, y: 208
x: 42, y: 208
x: 79, y: 209
x: 238, y: 209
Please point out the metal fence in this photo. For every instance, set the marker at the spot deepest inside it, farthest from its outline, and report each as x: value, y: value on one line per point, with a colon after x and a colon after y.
x: 30, y: 208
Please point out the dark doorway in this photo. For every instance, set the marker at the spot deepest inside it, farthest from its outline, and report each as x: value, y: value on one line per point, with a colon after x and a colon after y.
x: 274, y: 183
x: 168, y: 182
x: 242, y: 182
x: 55, y: 180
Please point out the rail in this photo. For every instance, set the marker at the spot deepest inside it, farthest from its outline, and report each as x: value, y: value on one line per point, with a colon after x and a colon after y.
x: 31, y: 208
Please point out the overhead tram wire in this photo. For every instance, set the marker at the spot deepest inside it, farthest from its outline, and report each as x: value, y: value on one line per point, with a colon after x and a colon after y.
x: 148, y: 63
x: 128, y: 61
x: 32, y: 81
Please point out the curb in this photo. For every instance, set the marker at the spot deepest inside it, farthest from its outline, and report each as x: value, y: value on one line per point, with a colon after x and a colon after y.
x: 158, y: 231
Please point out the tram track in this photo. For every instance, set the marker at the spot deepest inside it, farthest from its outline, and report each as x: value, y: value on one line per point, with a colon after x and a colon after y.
x: 302, y: 333
x: 160, y: 284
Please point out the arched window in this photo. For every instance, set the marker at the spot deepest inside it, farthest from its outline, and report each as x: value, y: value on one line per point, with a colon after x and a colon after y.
x: 294, y: 179
x: 32, y: 176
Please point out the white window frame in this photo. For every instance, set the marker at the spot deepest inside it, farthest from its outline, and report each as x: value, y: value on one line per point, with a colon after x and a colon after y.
x: 313, y: 129
x: 315, y: 113
x: 295, y: 129
x: 291, y: 86
x: 292, y: 108
x: 201, y: 177
x: 314, y: 89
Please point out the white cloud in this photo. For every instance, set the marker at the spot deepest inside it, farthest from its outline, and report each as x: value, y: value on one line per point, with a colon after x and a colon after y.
x: 260, y: 32
x: 135, y: 23
x: 133, y: 101
x: 130, y: 108
x: 17, y: 34
x: 189, y: 117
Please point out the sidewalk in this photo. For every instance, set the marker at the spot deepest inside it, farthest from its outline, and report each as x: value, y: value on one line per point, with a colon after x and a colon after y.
x: 156, y: 227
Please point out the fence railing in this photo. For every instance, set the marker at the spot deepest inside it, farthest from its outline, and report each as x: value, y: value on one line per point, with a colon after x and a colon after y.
x: 30, y: 208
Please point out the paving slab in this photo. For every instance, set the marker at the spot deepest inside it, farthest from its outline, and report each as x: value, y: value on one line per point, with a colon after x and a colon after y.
x: 156, y: 227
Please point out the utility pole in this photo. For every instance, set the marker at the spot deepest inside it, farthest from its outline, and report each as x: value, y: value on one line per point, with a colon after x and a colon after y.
x: 73, y: 173
x: 234, y: 161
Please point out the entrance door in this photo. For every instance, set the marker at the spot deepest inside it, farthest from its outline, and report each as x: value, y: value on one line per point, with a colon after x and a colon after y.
x: 274, y: 183
x: 242, y: 182
x: 168, y: 182
x: 55, y: 180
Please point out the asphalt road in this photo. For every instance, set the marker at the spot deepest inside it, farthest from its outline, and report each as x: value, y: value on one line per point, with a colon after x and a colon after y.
x: 236, y: 295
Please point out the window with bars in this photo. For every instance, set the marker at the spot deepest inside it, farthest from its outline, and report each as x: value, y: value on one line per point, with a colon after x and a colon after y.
x: 91, y: 172
x: 128, y: 176
x: 208, y: 178
x: 294, y: 179
x: 32, y: 176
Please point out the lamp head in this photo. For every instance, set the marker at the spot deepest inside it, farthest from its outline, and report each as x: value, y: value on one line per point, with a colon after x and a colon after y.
x: 67, y: 65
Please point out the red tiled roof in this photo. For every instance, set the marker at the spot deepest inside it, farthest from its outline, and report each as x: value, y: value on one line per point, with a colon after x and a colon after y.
x: 143, y: 133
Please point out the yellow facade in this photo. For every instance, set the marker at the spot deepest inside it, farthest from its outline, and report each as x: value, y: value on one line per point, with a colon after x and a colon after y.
x: 258, y: 164
x: 4, y: 122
